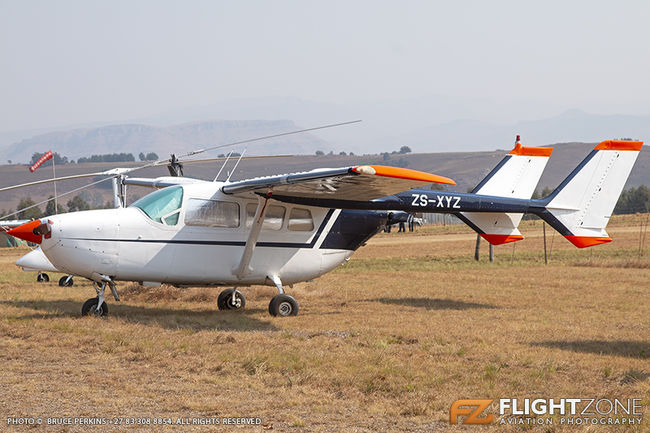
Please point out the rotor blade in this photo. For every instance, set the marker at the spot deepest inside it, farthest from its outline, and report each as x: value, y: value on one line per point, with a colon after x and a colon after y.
x: 191, y: 161
x: 59, y: 195
x: 220, y: 146
x: 268, y: 136
x: 113, y: 172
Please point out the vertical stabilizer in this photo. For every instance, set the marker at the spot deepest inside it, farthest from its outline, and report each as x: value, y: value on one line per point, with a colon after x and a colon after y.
x: 581, y: 206
x: 516, y: 176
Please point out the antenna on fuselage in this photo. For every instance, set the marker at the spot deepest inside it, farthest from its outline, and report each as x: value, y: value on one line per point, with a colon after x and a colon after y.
x: 236, y: 164
x: 222, y: 167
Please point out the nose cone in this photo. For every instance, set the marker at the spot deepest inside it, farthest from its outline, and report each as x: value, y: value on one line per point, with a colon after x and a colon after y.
x: 28, y: 232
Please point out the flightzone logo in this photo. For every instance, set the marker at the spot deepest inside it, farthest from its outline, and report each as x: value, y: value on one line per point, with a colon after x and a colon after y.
x: 541, y: 411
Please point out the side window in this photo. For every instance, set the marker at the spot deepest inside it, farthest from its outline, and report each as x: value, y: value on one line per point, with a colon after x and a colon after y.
x: 212, y: 213
x: 273, y: 218
x: 300, y: 220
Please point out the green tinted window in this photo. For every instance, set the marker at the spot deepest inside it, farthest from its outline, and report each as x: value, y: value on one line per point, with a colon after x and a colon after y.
x: 162, y: 206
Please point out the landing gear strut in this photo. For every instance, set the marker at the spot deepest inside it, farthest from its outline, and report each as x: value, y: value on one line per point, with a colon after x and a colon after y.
x: 282, y: 305
x: 231, y: 299
x: 96, y: 306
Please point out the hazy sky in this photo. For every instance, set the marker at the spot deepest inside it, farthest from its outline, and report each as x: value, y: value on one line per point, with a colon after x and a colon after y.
x: 66, y: 62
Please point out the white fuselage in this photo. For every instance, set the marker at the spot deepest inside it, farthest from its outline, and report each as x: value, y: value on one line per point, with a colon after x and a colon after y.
x: 127, y: 244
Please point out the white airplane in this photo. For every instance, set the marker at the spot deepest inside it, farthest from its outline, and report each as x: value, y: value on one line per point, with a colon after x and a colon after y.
x: 280, y: 230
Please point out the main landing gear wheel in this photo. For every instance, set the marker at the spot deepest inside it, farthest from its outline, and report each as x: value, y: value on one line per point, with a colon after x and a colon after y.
x: 42, y: 277
x: 231, y: 299
x: 283, y: 305
x: 90, y: 308
x: 66, y: 281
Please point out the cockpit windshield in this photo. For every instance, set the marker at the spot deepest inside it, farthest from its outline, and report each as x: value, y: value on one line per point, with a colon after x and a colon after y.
x: 162, y: 206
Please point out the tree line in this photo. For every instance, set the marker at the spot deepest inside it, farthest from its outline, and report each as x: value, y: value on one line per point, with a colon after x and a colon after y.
x: 76, y: 203
x: 108, y: 157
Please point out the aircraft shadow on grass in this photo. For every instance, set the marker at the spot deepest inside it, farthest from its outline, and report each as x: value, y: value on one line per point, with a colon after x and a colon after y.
x: 434, y: 303
x: 630, y: 349
x: 167, y: 318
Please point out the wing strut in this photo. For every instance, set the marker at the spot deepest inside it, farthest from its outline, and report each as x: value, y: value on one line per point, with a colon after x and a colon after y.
x: 243, y: 269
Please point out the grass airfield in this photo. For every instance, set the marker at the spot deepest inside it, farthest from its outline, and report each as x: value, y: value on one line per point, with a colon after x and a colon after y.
x: 385, y: 343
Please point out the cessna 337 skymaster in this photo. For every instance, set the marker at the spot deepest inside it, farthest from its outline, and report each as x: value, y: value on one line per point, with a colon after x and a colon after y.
x: 279, y: 230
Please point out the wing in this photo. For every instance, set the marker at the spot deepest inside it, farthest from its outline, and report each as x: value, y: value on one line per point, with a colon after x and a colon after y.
x: 364, y: 182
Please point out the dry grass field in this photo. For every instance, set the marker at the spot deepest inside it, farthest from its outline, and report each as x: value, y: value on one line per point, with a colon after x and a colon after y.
x: 385, y: 343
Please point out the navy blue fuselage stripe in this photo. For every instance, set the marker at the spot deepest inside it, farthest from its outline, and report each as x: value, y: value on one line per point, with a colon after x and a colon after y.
x: 492, y: 173
x: 554, y: 222
x: 353, y: 228
x: 455, y: 202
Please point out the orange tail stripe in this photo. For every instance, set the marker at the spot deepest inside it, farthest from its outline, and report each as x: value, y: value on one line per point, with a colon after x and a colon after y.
x: 619, y: 145
x: 531, y: 151
x: 501, y: 239
x: 587, y: 241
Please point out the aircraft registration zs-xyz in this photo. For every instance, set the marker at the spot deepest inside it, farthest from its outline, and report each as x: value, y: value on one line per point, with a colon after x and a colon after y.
x: 284, y: 229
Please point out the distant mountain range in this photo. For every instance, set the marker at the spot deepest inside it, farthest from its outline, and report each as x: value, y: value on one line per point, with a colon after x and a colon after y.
x: 136, y: 138
x: 432, y: 123
x: 570, y: 126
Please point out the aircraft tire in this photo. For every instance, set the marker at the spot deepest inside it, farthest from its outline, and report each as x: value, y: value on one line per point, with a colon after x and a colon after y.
x: 225, y: 297
x: 283, y: 305
x: 42, y: 278
x: 64, y: 282
x: 89, y: 308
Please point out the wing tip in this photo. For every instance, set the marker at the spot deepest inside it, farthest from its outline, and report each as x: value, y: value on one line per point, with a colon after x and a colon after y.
x: 402, y: 173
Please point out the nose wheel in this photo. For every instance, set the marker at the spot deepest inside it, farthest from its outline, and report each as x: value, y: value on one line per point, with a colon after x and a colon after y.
x: 231, y: 299
x: 90, y: 308
x: 96, y: 306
